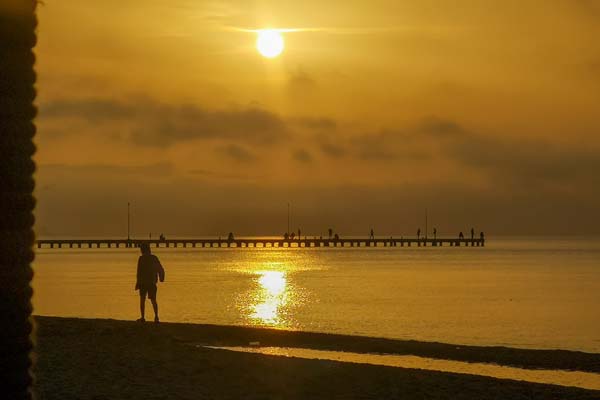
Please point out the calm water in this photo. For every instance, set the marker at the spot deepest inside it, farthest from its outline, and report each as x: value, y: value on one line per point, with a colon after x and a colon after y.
x: 542, y: 293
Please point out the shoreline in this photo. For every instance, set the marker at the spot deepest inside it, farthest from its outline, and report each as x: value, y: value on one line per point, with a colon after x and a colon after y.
x: 237, y: 335
x: 94, y: 358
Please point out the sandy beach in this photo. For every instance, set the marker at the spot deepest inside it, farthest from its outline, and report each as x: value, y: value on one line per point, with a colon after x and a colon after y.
x: 110, y: 359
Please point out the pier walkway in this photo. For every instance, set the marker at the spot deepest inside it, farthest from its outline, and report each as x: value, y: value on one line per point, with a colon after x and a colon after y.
x: 261, y: 243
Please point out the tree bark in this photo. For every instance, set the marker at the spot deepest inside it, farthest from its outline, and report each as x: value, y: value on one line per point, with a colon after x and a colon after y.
x: 17, y: 93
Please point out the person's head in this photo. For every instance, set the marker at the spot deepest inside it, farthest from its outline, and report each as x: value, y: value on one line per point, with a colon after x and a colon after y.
x: 145, y: 248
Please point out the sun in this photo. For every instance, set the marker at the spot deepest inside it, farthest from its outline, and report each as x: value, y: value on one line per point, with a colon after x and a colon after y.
x: 270, y: 43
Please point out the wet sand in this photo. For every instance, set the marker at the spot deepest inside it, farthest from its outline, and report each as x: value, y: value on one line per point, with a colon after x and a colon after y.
x: 109, y: 359
x: 584, y: 380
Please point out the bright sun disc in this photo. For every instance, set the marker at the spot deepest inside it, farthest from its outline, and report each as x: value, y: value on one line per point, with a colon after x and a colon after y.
x: 270, y: 43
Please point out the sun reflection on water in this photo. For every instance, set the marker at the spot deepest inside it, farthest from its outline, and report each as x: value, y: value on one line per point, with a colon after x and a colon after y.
x: 271, y: 297
x: 271, y: 292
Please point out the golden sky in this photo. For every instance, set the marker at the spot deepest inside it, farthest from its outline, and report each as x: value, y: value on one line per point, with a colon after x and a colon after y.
x: 486, y: 113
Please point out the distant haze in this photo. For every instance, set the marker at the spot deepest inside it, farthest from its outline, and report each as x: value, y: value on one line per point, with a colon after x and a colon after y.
x: 484, y: 113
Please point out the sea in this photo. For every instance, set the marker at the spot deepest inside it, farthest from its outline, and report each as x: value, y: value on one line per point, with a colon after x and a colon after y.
x: 541, y: 293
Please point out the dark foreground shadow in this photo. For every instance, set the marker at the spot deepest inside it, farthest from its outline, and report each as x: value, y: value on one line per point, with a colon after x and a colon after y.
x: 99, y: 359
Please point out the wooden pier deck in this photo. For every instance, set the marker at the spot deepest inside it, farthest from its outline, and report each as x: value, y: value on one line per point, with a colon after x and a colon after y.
x: 260, y: 243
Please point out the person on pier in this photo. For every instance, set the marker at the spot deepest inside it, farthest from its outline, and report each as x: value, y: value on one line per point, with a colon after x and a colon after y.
x: 482, y: 236
x: 372, y: 235
x: 472, y: 233
x: 434, y: 234
x: 149, y: 271
x: 419, y: 233
x: 461, y: 236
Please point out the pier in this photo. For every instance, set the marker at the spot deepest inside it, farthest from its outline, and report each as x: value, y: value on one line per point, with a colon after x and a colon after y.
x: 257, y: 243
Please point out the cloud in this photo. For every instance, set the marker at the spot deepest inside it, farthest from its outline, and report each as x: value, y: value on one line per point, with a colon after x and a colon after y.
x: 440, y: 127
x: 302, y: 155
x: 515, y: 161
x: 406, y: 142
x: 92, y: 110
x: 527, y: 161
x: 317, y: 124
x: 508, y: 162
x: 155, y: 169
x: 531, y: 186
x: 386, y: 145
x: 300, y: 79
x: 151, y: 123
x: 220, y: 175
x: 171, y: 125
x: 591, y: 69
x: 374, y: 146
x: 184, y: 208
x: 354, y: 31
x: 332, y: 150
x: 504, y: 160
x: 586, y: 7
x: 237, y: 153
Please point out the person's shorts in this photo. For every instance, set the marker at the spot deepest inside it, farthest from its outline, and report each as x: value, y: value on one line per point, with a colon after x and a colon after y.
x: 150, y: 290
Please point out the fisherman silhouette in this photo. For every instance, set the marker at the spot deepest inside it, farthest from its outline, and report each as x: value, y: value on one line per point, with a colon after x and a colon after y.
x: 434, y: 233
x: 230, y: 237
x: 472, y: 233
x: 336, y: 237
x: 286, y: 236
x: 149, y: 271
x: 372, y: 236
x: 481, y: 236
x: 461, y: 236
x: 330, y: 231
x: 419, y: 233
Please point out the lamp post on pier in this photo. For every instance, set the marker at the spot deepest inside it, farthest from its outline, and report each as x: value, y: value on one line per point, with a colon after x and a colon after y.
x: 128, y: 225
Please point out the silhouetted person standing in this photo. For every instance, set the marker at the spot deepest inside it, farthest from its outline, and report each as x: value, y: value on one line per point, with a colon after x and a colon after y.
x: 149, y: 271
x: 472, y: 233
x: 330, y: 231
x: 481, y: 236
x: 434, y: 234
x: 372, y: 236
x: 419, y: 233
x: 461, y: 236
